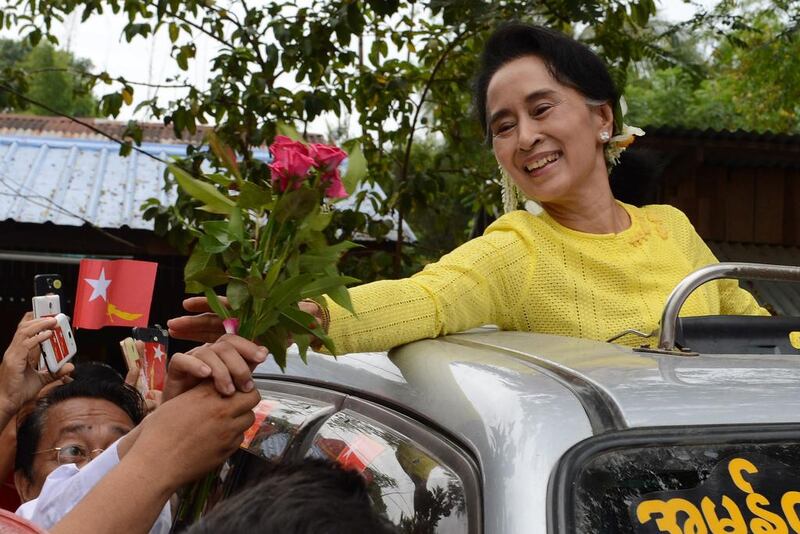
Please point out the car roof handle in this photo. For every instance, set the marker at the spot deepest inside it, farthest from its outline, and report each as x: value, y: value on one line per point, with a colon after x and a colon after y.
x: 738, y: 271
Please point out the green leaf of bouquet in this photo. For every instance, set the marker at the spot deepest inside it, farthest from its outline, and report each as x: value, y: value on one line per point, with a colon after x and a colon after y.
x: 215, y: 304
x: 214, y: 209
x: 327, y: 342
x: 220, y: 179
x: 257, y: 287
x: 253, y: 197
x: 276, y: 340
x: 202, y: 191
x: 198, y: 261
x: 210, y: 277
x: 224, y: 153
x: 218, y: 230
x: 211, y: 244
x: 356, y: 166
x: 237, y: 293
x: 341, y: 296
x: 288, y: 292
x: 282, y: 128
x: 297, y: 320
x: 295, y: 205
x: 303, y: 342
x: 319, y: 259
x: 236, y: 225
x: 322, y: 285
x: 320, y: 220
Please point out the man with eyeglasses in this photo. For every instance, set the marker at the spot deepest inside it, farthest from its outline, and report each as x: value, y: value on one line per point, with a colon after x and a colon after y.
x: 89, y: 461
x: 67, y: 433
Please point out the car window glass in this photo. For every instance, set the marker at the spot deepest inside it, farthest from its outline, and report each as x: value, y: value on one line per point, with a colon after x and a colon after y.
x: 279, y: 416
x: 414, y: 489
x: 610, y: 488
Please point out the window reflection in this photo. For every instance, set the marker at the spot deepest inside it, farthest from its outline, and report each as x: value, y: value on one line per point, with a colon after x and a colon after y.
x: 409, y: 485
x: 278, y: 419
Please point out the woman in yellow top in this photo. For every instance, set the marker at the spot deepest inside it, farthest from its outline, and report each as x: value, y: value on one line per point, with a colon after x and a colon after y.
x: 587, y: 266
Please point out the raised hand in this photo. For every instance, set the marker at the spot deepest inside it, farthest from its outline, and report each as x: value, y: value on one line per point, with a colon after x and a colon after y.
x: 20, y: 381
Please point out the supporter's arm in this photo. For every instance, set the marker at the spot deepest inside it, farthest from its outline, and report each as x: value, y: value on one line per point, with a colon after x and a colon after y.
x: 185, y: 438
x: 20, y: 382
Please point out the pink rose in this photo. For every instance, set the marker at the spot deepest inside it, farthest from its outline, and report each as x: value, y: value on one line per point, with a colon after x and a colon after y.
x: 335, y: 186
x: 290, y: 164
x: 327, y: 157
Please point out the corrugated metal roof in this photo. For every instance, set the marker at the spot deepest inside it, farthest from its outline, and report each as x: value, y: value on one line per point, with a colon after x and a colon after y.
x: 782, y: 297
x: 73, y: 181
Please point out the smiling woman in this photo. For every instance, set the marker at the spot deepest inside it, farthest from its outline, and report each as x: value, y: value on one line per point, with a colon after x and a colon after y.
x: 588, y: 266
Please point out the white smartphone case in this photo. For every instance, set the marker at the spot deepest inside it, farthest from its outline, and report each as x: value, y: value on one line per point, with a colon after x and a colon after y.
x: 61, y: 347
x: 46, y: 306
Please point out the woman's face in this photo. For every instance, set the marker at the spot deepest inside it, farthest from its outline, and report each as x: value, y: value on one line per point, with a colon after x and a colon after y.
x: 544, y: 134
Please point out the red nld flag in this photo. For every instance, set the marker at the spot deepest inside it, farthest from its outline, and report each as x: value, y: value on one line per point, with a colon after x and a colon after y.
x: 114, y: 293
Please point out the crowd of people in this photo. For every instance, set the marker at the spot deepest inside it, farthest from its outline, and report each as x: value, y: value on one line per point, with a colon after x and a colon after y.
x: 90, y: 455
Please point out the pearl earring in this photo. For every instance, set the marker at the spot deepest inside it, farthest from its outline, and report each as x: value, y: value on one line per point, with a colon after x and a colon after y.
x: 604, y: 137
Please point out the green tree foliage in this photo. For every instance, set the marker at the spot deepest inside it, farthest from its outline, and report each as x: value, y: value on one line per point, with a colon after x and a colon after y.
x: 403, y: 68
x: 750, y: 80
x: 45, y: 75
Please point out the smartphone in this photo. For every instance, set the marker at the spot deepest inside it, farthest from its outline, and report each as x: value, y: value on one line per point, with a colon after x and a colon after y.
x: 61, y: 347
x: 156, y: 344
x: 47, y: 289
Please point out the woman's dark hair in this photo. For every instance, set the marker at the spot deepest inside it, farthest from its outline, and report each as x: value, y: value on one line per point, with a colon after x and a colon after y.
x: 90, y: 380
x: 575, y: 65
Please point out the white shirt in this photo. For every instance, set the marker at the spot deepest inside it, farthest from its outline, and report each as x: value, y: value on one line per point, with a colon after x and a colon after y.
x: 67, y: 485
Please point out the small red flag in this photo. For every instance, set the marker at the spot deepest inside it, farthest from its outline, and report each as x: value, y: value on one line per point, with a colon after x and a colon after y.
x: 114, y: 293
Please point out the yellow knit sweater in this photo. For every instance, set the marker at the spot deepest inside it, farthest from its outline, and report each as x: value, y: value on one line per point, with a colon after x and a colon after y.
x: 529, y: 273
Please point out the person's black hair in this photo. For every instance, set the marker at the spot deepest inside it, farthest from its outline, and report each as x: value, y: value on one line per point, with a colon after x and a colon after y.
x: 570, y: 62
x: 310, y: 496
x: 89, y: 380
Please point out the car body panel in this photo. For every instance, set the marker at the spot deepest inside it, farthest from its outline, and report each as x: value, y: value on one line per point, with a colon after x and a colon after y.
x: 518, y: 401
x: 504, y: 412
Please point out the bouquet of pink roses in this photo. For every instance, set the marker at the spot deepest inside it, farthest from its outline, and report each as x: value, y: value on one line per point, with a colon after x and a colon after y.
x: 268, y: 248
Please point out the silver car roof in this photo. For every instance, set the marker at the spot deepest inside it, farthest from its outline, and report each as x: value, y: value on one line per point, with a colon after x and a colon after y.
x: 518, y: 401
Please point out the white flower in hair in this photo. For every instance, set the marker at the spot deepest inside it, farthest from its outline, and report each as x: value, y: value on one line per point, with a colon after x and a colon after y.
x: 617, y: 144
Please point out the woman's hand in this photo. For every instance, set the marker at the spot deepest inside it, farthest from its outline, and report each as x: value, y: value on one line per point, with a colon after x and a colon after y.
x: 20, y: 381
x: 205, y: 327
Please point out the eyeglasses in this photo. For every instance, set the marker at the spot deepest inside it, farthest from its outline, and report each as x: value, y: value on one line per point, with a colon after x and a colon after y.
x: 72, y: 454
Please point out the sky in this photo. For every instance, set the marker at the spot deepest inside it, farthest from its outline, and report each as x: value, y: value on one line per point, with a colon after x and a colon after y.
x: 100, y: 39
